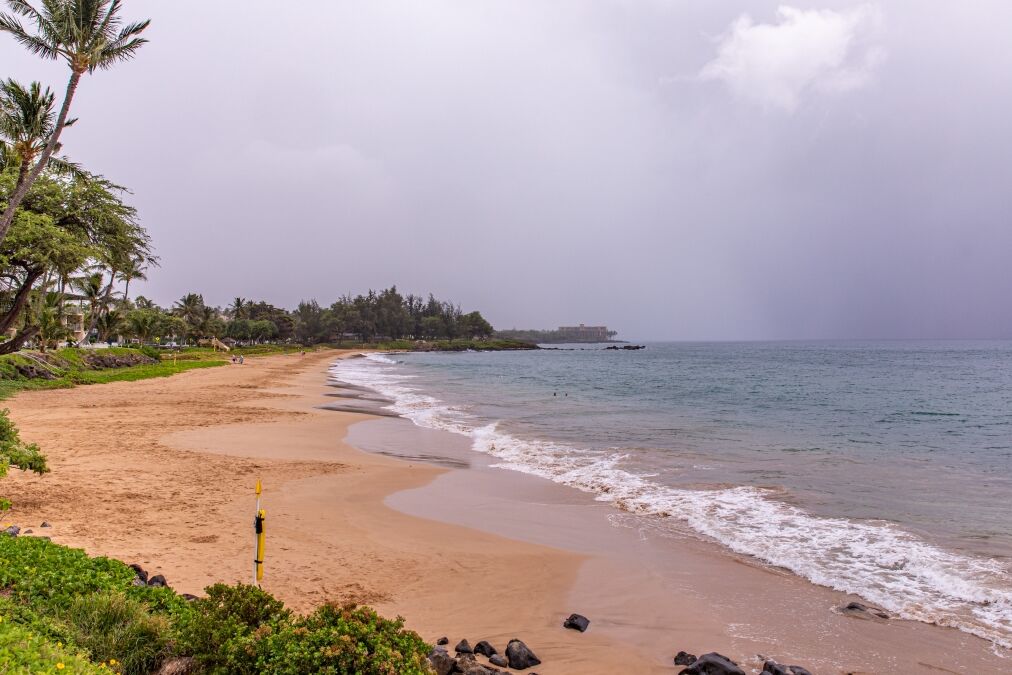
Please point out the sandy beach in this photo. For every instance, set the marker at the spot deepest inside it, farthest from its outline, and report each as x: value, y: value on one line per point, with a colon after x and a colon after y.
x: 161, y: 472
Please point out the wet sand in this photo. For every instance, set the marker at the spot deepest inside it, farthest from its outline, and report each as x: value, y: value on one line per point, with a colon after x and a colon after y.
x: 160, y: 472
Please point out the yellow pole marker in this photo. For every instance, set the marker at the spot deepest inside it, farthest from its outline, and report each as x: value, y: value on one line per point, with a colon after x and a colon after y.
x: 259, y: 538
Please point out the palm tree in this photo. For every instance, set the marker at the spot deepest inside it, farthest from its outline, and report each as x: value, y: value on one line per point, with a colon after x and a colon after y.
x: 238, y: 308
x: 190, y: 307
x: 51, y: 328
x: 133, y: 268
x: 192, y: 310
x: 88, y: 35
x: 92, y: 287
x: 109, y: 324
x: 26, y: 124
x: 144, y: 303
x: 142, y: 324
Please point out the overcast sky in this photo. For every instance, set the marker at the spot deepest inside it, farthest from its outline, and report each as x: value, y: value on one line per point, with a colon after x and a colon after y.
x: 682, y: 169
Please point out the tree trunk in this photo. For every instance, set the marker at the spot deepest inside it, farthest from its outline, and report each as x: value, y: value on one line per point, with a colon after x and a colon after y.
x: 20, y: 300
x: 23, y: 186
x: 14, y: 344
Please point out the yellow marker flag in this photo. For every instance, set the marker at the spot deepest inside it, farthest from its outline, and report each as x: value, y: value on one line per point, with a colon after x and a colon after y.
x: 259, y: 537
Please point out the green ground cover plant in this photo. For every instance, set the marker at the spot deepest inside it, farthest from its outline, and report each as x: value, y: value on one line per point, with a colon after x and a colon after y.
x: 60, y: 606
x: 22, y: 651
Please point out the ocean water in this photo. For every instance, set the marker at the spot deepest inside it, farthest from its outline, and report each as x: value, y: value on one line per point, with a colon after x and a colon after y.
x: 882, y: 469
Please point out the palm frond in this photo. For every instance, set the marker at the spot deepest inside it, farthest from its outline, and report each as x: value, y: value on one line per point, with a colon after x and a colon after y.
x: 33, y: 43
x: 110, y: 17
x: 64, y: 167
x: 25, y: 9
x: 133, y: 29
x: 114, y: 54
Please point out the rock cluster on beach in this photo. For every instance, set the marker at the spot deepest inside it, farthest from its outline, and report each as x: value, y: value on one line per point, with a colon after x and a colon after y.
x: 718, y: 664
x: 142, y: 578
x: 15, y: 530
x: 518, y: 656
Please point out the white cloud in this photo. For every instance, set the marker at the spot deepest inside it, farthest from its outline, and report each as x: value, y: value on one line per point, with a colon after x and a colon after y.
x: 775, y: 64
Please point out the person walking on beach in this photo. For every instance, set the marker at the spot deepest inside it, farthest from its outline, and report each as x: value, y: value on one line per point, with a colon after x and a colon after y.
x: 241, y: 360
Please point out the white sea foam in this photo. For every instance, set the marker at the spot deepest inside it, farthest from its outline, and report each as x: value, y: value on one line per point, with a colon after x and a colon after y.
x: 878, y: 561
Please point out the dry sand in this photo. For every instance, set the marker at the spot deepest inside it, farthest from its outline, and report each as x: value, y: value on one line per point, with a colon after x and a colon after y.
x: 161, y: 472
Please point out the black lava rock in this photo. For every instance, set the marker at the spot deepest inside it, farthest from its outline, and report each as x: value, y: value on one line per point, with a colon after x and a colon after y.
x: 467, y: 665
x: 463, y: 647
x: 442, y: 662
x: 45, y: 524
x: 443, y: 641
x: 684, y: 659
x: 485, y: 649
x: 12, y: 531
x: 798, y: 670
x: 477, y: 669
x: 863, y: 611
x: 189, y: 597
x: 158, y: 581
x: 139, y: 571
x: 519, y: 656
x: 497, y: 660
x: 771, y: 667
x: 712, y: 664
x: 576, y: 622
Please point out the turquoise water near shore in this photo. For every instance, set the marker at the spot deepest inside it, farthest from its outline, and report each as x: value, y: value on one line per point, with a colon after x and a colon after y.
x: 879, y: 468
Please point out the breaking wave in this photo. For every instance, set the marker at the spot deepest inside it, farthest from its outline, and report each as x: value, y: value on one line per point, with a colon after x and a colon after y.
x: 888, y: 566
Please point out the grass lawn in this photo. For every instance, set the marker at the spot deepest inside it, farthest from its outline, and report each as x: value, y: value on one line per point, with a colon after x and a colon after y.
x: 70, y: 369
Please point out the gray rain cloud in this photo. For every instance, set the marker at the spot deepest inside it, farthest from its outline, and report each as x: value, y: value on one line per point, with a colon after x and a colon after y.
x: 675, y: 169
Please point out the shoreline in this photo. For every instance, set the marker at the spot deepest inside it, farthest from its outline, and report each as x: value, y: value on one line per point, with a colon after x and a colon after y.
x: 465, y: 552
x: 658, y: 594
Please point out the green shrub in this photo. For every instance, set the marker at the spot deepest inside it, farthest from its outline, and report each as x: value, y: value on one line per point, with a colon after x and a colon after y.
x: 15, y: 452
x: 49, y: 628
x: 49, y: 577
x: 24, y: 651
x: 38, y: 572
x: 65, y: 604
x: 217, y: 631
x: 346, y: 640
x: 111, y: 626
x: 151, y: 352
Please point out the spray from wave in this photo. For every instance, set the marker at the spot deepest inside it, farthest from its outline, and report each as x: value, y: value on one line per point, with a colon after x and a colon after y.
x: 878, y: 561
